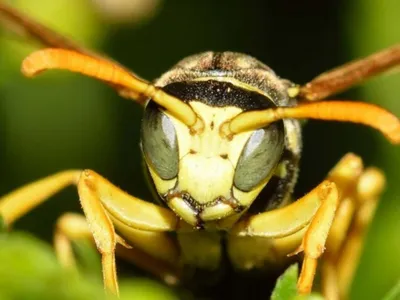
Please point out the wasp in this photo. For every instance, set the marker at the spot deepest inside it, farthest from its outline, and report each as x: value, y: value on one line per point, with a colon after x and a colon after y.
x: 221, y: 143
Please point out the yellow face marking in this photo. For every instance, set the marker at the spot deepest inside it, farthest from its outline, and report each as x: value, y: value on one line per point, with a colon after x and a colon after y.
x: 207, y: 164
x: 205, y: 178
x: 216, y: 212
x: 203, y: 173
x: 163, y: 186
x: 246, y: 198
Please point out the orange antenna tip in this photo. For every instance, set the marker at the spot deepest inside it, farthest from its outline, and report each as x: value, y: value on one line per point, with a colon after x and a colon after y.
x: 102, y: 69
x: 343, y: 111
x: 356, y: 112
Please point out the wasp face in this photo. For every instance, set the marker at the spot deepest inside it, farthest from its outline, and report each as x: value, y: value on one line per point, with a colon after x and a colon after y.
x: 204, y: 176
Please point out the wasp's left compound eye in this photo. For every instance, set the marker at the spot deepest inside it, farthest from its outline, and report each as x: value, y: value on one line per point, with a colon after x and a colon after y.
x: 259, y: 157
x: 159, y: 142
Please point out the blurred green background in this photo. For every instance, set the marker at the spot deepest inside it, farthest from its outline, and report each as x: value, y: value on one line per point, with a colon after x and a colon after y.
x: 60, y: 121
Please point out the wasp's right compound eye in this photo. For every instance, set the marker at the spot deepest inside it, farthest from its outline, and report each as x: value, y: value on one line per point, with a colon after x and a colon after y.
x: 159, y: 142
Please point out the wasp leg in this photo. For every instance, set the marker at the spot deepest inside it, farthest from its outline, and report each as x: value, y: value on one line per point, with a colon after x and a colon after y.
x: 360, y: 191
x: 337, y: 234
x: 72, y: 226
x: 313, y: 243
x: 17, y: 203
x: 369, y: 189
x: 313, y: 214
x: 341, y: 259
x: 285, y: 221
x: 101, y: 202
x: 160, y: 269
x: 315, y: 211
x: 345, y: 174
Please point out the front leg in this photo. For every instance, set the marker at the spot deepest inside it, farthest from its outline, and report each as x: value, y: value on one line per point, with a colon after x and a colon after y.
x: 306, y: 221
x: 142, y: 251
x: 103, y: 204
x: 101, y: 227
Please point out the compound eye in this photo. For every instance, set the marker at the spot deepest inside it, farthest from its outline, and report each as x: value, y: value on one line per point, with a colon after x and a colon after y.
x: 159, y: 142
x: 259, y: 157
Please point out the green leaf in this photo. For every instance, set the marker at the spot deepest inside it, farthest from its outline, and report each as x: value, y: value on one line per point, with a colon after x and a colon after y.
x: 88, y: 258
x: 146, y: 289
x: 285, y: 288
x: 29, y: 270
x: 394, y: 293
x: 312, y: 296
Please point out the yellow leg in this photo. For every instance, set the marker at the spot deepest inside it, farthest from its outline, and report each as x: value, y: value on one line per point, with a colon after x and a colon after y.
x: 166, y: 272
x: 369, y: 188
x: 318, y: 214
x: 358, y: 201
x: 72, y: 226
x: 101, y: 227
x: 314, y: 240
x: 285, y: 221
x: 17, y: 203
x: 345, y: 174
x: 101, y: 202
x: 314, y: 213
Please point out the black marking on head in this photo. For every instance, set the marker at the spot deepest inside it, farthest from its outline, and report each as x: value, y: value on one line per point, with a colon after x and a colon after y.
x: 218, y: 94
x: 216, y: 61
x: 185, y: 196
x: 212, y: 125
x: 197, y: 206
x: 199, y: 223
x: 224, y: 156
x: 230, y: 65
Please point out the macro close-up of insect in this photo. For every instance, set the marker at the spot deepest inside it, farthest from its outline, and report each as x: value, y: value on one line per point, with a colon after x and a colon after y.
x: 221, y: 138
